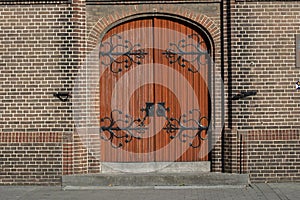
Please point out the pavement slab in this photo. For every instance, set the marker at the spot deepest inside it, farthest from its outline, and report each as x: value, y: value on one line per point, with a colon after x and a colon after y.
x: 259, y: 191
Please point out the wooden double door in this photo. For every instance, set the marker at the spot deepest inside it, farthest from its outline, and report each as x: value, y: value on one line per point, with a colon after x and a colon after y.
x: 154, y: 98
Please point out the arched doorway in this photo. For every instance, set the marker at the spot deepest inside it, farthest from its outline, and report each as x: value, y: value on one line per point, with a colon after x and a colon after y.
x: 154, y: 97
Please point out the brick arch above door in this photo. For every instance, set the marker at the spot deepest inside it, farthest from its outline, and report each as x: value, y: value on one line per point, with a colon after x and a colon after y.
x: 104, y: 23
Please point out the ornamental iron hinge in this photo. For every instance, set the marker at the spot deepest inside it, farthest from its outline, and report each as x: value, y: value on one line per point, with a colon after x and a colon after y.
x: 123, y: 126
x: 121, y: 55
x: 184, y: 53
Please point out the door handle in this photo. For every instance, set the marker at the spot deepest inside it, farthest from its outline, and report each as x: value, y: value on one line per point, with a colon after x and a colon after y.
x: 152, y: 110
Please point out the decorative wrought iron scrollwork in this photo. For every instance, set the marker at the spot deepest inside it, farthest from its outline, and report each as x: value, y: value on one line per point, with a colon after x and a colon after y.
x: 121, y: 55
x: 121, y: 128
x: 129, y: 128
x: 176, y: 128
x: 184, y: 53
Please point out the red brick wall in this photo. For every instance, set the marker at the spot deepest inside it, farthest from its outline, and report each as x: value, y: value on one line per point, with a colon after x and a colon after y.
x: 30, y: 158
x: 263, y: 59
x: 271, y: 155
x: 42, y: 46
x: 264, y: 135
x: 34, y: 64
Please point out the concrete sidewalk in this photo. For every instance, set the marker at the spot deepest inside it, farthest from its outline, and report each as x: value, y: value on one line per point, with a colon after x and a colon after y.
x: 272, y: 191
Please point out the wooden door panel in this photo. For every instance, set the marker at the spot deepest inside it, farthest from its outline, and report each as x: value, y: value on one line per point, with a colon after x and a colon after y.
x: 174, y: 36
x: 117, y: 91
x: 126, y: 88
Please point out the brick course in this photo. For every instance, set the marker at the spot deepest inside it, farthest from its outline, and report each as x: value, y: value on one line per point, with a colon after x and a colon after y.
x: 30, y: 158
x: 272, y: 155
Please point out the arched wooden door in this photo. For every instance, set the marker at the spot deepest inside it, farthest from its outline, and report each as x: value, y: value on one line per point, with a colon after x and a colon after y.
x: 154, y: 99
